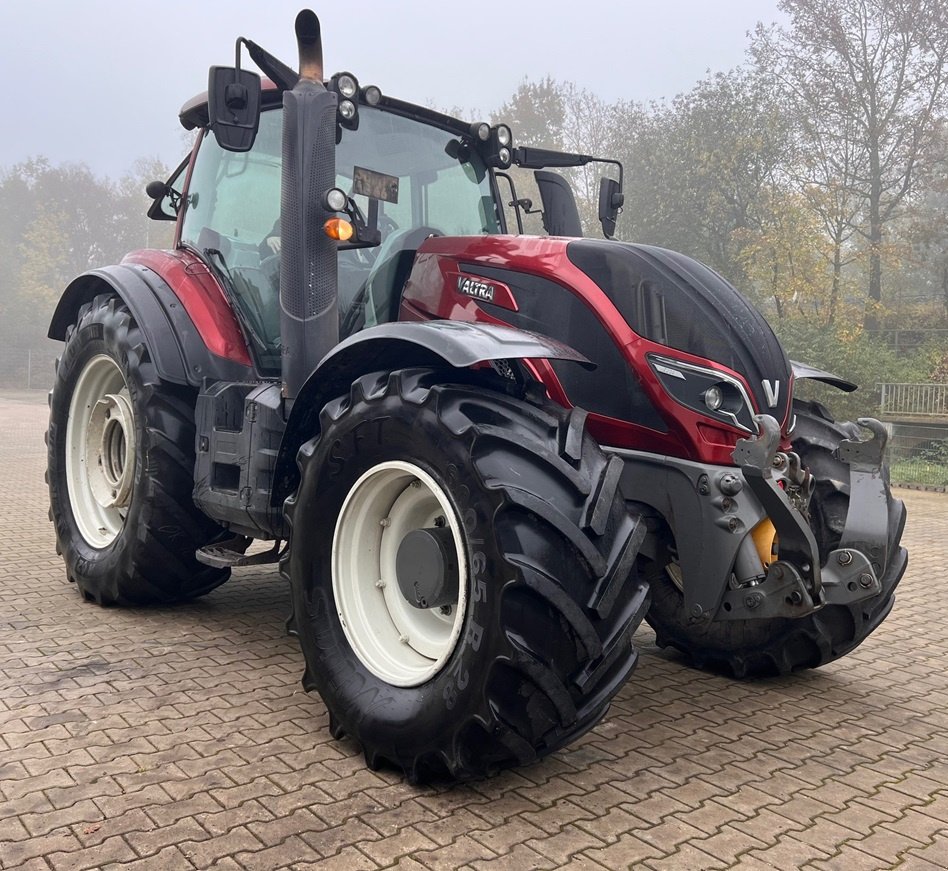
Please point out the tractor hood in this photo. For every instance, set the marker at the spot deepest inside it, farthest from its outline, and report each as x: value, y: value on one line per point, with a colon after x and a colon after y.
x: 676, y: 301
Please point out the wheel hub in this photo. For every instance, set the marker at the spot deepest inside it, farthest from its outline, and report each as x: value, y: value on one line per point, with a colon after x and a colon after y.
x: 110, y: 451
x: 427, y: 568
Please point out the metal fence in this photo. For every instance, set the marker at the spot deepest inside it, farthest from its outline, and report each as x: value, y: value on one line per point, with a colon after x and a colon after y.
x: 918, y: 454
x: 907, y: 341
x: 915, y: 401
x: 28, y: 368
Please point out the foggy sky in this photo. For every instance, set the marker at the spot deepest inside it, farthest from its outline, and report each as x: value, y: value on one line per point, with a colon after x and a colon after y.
x: 100, y: 82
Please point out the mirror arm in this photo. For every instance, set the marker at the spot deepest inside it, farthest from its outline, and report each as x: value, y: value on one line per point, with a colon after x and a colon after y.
x: 514, y: 202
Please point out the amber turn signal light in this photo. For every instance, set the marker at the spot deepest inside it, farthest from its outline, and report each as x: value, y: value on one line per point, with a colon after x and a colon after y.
x: 339, y: 229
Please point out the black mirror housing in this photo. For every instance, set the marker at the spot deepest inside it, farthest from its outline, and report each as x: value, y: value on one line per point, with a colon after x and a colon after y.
x: 560, y: 214
x: 611, y: 200
x: 233, y: 107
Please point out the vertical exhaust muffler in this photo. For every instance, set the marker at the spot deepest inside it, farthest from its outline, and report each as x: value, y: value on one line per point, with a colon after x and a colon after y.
x: 309, y: 319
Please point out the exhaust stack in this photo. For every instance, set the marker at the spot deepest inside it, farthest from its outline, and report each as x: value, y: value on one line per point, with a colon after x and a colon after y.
x: 309, y: 40
x: 309, y: 320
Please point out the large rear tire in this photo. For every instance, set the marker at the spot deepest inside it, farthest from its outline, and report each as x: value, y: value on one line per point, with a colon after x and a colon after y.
x: 535, y: 640
x: 121, y: 465
x: 749, y: 648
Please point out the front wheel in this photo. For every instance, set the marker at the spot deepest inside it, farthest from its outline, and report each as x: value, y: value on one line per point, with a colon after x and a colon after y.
x: 121, y: 465
x: 461, y: 565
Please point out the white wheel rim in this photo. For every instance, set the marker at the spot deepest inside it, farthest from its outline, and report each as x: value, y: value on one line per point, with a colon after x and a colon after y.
x: 403, y: 645
x: 100, y: 451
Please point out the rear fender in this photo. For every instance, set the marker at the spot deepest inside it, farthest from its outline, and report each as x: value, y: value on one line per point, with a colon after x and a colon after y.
x: 454, y: 344
x: 176, y: 347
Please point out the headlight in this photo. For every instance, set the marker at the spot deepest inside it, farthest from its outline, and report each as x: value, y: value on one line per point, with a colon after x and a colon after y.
x: 707, y: 391
x: 335, y: 200
x: 347, y: 86
x: 714, y: 397
x: 372, y: 95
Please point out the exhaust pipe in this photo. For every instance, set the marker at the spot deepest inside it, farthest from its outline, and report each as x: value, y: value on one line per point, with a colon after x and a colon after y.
x: 309, y: 319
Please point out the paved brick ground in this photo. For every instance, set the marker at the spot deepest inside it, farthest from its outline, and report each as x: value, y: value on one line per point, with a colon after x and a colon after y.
x: 180, y: 738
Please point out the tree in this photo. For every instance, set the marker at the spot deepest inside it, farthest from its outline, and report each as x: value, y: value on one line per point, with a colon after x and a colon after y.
x: 701, y: 170
x: 59, y: 221
x: 536, y: 113
x: 880, y: 65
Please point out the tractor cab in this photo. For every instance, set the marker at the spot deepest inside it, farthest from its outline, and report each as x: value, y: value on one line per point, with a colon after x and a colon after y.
x: 403, y: 176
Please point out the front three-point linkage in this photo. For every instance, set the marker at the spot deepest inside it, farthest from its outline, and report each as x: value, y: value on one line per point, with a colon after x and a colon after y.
x: 799, y: 581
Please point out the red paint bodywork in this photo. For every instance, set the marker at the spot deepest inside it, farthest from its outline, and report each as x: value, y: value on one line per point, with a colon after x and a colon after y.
x: 431, y: 293
x: 202, y: 297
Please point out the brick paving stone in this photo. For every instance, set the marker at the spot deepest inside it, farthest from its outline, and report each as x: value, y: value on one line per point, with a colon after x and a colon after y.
x: 462, y: 851
x: 565, y: 844
x: 626, y: 852
x: 349, y: 859
x: 389, y: 850
x: 222, y: 821
x: 789, y: 853
x: 689, y: 856
x: 328, y: 842
x: 179, y: 737
x: 281, y: 855
x: 520, y: 858
x: 149, y: 841
x: 204, y: 853
x: 110, y: 850
x: 164, y: 860
x: 851, y: 859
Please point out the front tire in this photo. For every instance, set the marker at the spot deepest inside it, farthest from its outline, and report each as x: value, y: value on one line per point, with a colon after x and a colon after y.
x: 120, y: 474
x: 751, y: 648
x: 528, y: 651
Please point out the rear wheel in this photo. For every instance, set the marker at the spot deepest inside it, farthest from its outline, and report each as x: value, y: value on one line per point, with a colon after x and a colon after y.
x: 522, y: 644
x: 781, y: 645
x: 121, y: 460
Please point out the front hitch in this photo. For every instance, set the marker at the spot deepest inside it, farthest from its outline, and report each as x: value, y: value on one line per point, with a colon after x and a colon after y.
x: 795, y: 584
x: 797, y: 547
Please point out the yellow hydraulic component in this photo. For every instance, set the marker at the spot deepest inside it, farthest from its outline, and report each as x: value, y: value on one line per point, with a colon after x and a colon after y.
x: 765, y: 540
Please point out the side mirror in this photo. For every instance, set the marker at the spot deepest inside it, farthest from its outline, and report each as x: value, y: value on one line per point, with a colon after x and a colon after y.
x: 233, y: 107
x: 611, y: 199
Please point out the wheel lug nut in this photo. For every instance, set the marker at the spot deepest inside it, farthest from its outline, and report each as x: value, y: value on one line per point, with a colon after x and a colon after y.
x: 385, y: 521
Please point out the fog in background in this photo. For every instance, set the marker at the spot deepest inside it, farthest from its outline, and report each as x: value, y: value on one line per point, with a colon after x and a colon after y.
x: 101, y: 82
x: 798, y: 147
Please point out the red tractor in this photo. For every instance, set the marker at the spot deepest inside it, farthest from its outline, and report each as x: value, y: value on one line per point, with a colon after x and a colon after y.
x: 489, y: 455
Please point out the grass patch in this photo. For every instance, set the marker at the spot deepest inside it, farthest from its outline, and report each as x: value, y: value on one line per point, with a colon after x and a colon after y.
x: 919, y: 472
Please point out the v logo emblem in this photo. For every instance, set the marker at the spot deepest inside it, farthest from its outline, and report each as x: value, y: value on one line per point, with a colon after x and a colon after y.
x: 771, y: 391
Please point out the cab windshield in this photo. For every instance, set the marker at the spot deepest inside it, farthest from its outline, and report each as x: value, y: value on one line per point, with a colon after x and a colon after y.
x: 232, y: 216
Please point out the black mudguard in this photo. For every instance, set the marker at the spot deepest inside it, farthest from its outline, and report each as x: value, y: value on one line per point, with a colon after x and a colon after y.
x: 179, y: 353
x: 398, y: 345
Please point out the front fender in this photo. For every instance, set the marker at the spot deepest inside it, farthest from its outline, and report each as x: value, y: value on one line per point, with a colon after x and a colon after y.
x: 455, y: 344
x: 802, y: 371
